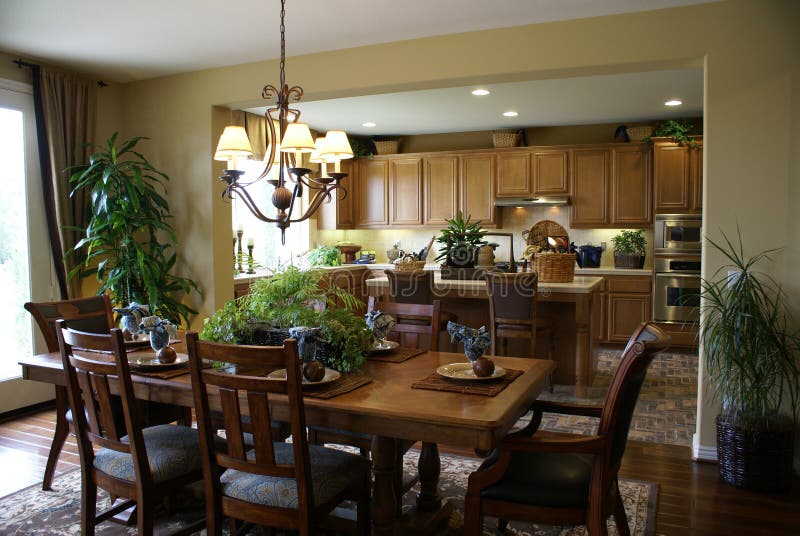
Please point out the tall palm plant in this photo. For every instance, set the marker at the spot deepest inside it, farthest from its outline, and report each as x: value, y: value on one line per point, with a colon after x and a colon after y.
x: 128, y: 243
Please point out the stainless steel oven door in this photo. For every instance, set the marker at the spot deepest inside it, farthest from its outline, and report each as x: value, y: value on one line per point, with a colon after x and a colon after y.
x: 676, y: 297
x: 678, y: 233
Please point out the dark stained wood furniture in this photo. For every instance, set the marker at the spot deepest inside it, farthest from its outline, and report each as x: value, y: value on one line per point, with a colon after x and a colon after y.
x: 275, y: 484
x: 143, y: 466
x: 558, y: 478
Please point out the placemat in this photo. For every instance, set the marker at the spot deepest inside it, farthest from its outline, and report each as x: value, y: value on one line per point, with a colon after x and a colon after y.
x: 343, y: 385
x: 435, y: 382
x: 398, y: 355
x: 164, y: 374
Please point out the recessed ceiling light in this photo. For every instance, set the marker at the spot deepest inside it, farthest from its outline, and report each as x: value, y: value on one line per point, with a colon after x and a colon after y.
x: 673, y: 102
x: 368, y: 124
x: 510, y: 113
x: 480, y: 92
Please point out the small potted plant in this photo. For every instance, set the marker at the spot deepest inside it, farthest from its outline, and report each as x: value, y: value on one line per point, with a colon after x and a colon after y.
x: 752, y: 352
x: 677, y: 129
x: 460, y: 241
x: 630, y: 248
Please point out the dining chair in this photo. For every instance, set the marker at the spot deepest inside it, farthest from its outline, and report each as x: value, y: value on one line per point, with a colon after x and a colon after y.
x: 416, y: 286
x: 92, y: 315
x: 144, y: 466
x: 277, y: 484
x: 513, y: 314
x: 411, y: 321
x: 561, y: 478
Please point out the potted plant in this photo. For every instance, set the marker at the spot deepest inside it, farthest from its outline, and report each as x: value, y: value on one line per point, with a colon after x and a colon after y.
x: 677, y: 129
x: 630, y: 249
x: 293, y: 298
x: 324, y: 256
x: 128, y: 243
x: 460, y: 242
x: 751, y: 350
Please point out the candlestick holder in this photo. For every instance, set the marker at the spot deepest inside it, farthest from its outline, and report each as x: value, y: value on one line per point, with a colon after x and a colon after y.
x: 250, y: 264
x: 239, y: 235
x: 234, y: 252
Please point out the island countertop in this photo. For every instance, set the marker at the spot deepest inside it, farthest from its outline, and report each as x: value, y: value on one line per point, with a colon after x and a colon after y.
x: 579, y: 285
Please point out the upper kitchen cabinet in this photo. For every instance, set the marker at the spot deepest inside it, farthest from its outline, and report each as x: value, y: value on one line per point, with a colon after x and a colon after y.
x: 405, y: 194
x: 550, y: 172
x: 533, y: 172
x: 440, y: 176
x: 339, y: 213
x: 476, y: 188
x: 631, y: 186
x: 371, y: 190
x: 591, y: 171
x: 677, y: 177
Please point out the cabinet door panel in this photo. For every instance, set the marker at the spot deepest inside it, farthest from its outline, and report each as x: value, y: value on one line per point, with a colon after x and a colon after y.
x: 631, y: 195
x: 477, y: 188
x: 405, y: 179
x: 372, y: 201
x: 513, y: 174
x: 671, y: 178
x: 551, y: 172
x: 625, y: 313
x: 590, y: 178
x: 441, y: 189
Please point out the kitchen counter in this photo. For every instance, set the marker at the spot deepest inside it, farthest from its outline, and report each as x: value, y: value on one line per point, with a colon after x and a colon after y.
x: 614, y: 271
x: 477, y: 289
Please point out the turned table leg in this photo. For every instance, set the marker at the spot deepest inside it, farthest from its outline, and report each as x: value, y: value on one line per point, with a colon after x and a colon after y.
x: 384, y: 502
x: 428, y: 498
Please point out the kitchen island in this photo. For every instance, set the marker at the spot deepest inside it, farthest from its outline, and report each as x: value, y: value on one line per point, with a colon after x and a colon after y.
x: 571, y: 306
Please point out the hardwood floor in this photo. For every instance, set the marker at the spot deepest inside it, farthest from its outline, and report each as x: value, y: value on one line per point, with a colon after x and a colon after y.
x: 692, y: 499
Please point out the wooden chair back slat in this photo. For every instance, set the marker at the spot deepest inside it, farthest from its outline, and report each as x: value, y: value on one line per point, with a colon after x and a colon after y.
x: 512, y: 302
x: 409, y: 318
x: 238, y: 392
x: 93, y: 315
x: 414, y: 286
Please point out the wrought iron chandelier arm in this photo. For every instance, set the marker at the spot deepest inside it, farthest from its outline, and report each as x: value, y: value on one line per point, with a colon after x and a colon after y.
x: 319, y: 197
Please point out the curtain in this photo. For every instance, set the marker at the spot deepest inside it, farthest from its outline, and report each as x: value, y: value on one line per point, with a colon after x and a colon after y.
x: 66, y: 104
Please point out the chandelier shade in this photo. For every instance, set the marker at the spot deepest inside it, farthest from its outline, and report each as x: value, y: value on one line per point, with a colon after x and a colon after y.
x: 233, y: 144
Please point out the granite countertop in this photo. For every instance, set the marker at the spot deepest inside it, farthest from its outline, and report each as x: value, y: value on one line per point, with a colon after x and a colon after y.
x: 579, y: 285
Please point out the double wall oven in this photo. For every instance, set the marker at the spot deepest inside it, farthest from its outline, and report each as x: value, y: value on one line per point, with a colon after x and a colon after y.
x: 676, y: 263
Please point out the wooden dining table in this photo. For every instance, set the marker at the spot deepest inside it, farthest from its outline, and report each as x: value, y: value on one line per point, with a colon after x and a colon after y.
x: 388, y: 408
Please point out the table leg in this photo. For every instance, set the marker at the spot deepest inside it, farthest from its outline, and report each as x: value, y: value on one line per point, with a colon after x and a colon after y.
x: 428, y: 498
x: 384, y: 502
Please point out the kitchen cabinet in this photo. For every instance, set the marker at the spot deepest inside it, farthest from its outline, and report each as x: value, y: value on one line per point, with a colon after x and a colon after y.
x: 550, y: 172
x: 625, y: 302
x: 677, y: 177
x: 476, y: 188
x: 611, y: 187
x: 339, y: 213
x: 440, y: 193
x: 371, y: 190
x: 405, y: 191
x: 591, y: 170
x: 533, y: 172
x: 513, y: 173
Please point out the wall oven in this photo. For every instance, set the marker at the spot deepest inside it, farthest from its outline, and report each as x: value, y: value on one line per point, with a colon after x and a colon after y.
x: 676, y: 288
x: 677, y: 233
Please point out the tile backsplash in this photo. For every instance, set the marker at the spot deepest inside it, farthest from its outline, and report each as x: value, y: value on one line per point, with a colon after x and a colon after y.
x: 514, y: 219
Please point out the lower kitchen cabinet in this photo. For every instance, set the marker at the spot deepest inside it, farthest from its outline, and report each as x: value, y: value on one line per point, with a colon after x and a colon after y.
x: 624, y: 303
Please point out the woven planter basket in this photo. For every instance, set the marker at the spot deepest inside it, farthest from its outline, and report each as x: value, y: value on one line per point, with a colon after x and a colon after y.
x: 759, y: 460
x: 637, y: 134
x: 624, y: 260
x: 505, y: 138
x: 554, y: 267
x: 262, y: 334
x: 387, y: 146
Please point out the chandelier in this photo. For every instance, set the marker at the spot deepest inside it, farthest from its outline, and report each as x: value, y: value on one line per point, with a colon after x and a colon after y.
x: 293, y: 141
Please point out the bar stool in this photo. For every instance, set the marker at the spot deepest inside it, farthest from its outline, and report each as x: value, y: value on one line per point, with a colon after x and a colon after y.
x: 512, y: 313
x: 416, y: 287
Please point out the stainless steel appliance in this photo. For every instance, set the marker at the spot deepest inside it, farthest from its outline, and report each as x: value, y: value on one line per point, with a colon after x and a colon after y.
x: 678, y: 233
x: 676, y: 288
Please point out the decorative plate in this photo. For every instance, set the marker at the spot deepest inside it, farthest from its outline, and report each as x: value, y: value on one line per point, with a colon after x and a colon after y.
x: 384, y: 346
x: 330, y: 375
x: 150, y: 362
x: 463, y: 371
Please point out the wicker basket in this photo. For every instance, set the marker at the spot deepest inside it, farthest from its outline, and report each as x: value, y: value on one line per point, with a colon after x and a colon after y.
x: 409, y: 265
x: 554, y: 267
x: 387, y: 146
x: 625, y: 260
x: 637, y: 134
x: 505, y: 138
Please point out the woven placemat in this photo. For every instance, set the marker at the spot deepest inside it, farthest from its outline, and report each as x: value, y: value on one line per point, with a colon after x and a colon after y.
x: 435, y: 382
x: 343, y: 385
x: 397, y: 355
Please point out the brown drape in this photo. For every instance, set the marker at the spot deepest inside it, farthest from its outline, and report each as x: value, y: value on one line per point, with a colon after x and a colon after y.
x: 69, y: 104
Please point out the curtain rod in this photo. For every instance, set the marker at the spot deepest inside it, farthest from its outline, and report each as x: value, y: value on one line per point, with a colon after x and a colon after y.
x: 20, y: 64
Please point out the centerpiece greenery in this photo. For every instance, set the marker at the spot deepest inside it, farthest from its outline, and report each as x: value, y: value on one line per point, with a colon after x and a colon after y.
x: 751, y: 351
x: 460, y: 242
x: 324, y: 256
x: 129, y: 244
x: 630, y: 248
x: 290, y: 298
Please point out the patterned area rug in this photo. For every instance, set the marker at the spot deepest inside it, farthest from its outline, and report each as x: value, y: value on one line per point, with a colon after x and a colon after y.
x: 667, y: 408
x: 57, y: 513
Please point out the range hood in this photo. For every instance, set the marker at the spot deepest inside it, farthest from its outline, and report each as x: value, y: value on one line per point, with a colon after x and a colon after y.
x: 542, y: 201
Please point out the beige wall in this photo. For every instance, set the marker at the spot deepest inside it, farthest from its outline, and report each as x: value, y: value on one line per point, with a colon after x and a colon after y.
x: 751, y: 113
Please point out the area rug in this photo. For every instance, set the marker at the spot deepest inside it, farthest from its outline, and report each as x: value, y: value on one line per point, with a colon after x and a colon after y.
x: 57, y: 513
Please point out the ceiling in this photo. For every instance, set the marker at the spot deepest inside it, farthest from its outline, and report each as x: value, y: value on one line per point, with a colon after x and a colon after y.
x: 627, y: 97
x: 128, y: 41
